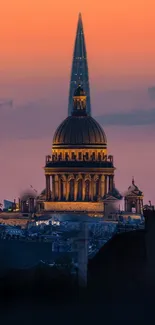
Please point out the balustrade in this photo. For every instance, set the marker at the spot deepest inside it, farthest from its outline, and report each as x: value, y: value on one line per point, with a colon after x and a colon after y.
x: 80, y: 157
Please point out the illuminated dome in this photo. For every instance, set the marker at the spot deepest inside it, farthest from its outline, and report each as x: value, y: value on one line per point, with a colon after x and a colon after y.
x: 79, y: 168
x: 79, y: 130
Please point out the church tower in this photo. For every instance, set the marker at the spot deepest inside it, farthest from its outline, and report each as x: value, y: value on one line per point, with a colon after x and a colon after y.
x: 79, y: 73
x: 79, y: 173
x: 79, y: 170
x: 134, y: 199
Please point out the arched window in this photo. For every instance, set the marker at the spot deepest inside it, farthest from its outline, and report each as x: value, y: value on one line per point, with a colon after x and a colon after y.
x: 133, y: 207
x: 87, y: 190
x: 71, y: 190
x: 79, y: 194
x: 133, y: 204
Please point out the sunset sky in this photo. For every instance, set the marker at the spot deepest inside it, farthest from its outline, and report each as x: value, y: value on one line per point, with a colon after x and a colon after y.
x: 37, y: 39
x: 37, y: 36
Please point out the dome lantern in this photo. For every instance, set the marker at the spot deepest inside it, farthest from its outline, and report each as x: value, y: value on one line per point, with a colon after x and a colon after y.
x: 79, y: 102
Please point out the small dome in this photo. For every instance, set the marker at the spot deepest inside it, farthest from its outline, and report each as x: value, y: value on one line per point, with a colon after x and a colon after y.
x: 134, y: 189
x: 79, y: 130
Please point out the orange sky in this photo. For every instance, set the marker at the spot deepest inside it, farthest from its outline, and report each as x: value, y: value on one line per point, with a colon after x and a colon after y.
x: 36, y: 46
x: 37, y: 36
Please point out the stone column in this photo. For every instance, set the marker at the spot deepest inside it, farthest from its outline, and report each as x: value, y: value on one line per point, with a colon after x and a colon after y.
x: 111, y: 181
x: 83, y: 188
x: 59, y: 182
x: 99, y: 185
x: 56, y: 187
x: 125, y: 202
x: 67, y: 189
x: 102, y: 186
x: 138, y: 206
x: 48, y: 190
x: 92, y: 188
x: 64, y: 188
x: 53, y: 187
x: 105, y: 185
x: 75, y: 189
x: 142, y: 205
x: 108, y: 183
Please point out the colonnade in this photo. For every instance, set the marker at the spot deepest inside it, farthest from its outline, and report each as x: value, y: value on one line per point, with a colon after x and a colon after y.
x: 75, y: 187
x: 133, y: 202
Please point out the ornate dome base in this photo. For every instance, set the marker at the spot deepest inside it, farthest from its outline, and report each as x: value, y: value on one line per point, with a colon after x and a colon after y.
x: 91, y: 208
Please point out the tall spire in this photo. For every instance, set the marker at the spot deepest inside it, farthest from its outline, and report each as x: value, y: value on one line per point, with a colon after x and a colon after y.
x: 79, y: 73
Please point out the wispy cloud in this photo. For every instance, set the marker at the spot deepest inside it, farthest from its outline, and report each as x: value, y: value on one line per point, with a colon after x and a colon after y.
x: 39, y: 119
x: 135, y: 117
x: 30, y: 121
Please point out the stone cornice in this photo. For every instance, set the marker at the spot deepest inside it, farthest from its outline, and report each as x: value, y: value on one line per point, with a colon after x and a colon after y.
x: 76, y: 170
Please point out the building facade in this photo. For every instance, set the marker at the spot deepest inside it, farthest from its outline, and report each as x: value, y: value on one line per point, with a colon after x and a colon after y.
x: 79, y: 171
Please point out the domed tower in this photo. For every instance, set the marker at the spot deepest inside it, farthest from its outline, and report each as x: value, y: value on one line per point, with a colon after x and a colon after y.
x: 80, y: 170
x: 134, y: 199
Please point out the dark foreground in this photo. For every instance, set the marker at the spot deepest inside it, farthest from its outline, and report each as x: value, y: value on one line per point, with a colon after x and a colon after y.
x: 121, y: 287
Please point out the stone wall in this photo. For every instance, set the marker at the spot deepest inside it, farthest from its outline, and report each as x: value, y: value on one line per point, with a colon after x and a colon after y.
x: 74, y: 206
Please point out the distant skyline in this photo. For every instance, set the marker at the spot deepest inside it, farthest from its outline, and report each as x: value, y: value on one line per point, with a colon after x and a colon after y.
x: 37, y: 39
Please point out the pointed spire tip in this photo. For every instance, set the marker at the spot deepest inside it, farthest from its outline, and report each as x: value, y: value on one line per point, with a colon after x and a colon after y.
x: 80, y: 16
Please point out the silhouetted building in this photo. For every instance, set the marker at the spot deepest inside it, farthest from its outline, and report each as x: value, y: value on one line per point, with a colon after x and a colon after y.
x: 112, y: 201
x: 28, y: 205
x: 8, y: 204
